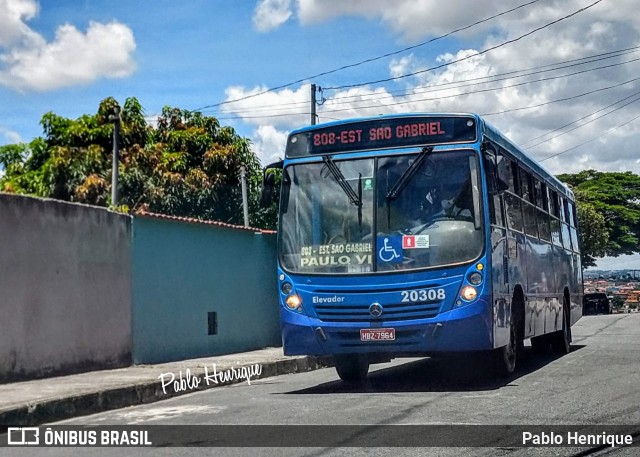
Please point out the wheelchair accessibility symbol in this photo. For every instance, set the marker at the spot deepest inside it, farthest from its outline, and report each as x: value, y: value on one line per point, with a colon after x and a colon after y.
x: 390, y: 249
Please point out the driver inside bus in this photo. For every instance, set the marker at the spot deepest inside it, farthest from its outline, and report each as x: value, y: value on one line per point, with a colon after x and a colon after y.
x: 452, y: 202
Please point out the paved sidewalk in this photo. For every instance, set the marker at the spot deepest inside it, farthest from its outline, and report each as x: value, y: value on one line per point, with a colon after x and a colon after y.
x: 50, y: 399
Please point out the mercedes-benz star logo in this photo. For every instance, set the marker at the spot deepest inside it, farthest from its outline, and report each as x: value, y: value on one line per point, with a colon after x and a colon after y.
x: 375, y: 309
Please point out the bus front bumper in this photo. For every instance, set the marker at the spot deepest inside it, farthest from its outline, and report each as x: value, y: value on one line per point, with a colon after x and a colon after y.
x: 468, y: 328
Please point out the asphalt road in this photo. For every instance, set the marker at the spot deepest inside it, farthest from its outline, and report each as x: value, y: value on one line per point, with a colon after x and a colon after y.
x: 597, y: 383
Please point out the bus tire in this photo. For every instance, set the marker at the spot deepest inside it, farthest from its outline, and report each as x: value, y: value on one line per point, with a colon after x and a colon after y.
x: 504, y: 358
x: 351, y: 367
x: 561, y: 340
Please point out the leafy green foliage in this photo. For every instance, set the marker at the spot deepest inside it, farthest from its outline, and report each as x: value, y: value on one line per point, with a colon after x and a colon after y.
x: 617, y: 302
x: 594, y: 236
x: 188, y: 165
x: 613, y: 197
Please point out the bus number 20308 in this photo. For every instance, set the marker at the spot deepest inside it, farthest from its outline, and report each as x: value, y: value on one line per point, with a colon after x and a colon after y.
x: 422, y: 295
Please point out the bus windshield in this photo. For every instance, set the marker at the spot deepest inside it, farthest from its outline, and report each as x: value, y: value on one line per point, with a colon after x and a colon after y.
x: 382, y: 214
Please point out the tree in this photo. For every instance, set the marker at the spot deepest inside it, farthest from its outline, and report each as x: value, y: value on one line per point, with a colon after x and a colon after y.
x: 593, y: 233
x: 616, y: 197
x: 188, y: 165
x: 617, y: 302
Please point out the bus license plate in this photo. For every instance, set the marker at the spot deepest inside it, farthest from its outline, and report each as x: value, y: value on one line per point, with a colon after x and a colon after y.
x: 377, y: 334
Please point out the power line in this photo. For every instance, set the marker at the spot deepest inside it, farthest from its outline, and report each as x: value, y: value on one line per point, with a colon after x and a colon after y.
x: 562, y: 99
x: 362, y: 62
x: 573, y: 97
x: 586, y: 123
x: 432, y: 68
x: 479, y: 91
x: 591, y: 140
x: 492, y: 78
x: 437, y: 67
x: 580, y: 119
x: 500, y: 77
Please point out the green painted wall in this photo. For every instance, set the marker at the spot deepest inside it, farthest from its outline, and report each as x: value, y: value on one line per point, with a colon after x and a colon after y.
x: 182, y: 271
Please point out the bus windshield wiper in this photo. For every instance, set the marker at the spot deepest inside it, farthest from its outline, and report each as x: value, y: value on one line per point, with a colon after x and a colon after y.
x: 354, y: 198
x: 408, y: 173
x: 342, y: 181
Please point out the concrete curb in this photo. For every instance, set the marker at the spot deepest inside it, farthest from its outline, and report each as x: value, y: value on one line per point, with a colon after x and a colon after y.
x: 53, y: 410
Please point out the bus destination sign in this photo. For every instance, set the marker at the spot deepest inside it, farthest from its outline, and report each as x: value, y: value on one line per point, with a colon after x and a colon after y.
x: 383, y: 133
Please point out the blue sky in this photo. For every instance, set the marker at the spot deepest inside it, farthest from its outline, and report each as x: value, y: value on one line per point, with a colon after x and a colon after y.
x: 66, y: 56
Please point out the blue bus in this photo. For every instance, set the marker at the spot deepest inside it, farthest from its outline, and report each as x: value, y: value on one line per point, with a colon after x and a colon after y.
x: 422, y: 235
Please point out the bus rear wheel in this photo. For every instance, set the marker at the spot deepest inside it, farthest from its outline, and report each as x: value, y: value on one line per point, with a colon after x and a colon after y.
x: 561, y: 340
x: 351, y: 367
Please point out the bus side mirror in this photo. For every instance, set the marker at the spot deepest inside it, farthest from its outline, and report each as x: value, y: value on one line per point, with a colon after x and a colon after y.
x: 269, y: 183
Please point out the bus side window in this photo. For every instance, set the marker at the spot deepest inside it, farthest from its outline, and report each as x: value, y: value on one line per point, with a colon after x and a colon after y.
x: 493, y: 176
x: 566, y: 235
x: 495, y: 210
x: 542, y: 201
x: 574, y: 214
x: 554, y: 208
x: 545, y: 198
x: 526, y: 186
x: 555, y: 232
x: 543, y: 225
x: 565, y: 211
x: 539, y: 191
x: 554, y: 212
x: 508, y: 172
x: 513, y: 207
x: 530, y: 219
x: 573, y: 222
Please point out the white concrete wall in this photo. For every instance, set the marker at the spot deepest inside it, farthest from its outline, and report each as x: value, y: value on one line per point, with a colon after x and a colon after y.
x: 65, y: 288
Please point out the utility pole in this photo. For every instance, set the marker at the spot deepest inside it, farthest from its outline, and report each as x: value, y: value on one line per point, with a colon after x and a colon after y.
x: 313, y: 104
x: 115, y: 118
x: 245, y: 203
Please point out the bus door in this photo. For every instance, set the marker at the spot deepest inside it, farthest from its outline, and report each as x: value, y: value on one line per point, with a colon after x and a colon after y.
x: 500, y: 251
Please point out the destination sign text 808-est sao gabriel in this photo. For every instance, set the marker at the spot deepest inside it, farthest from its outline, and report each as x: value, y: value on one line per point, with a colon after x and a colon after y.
x: 383, y: 133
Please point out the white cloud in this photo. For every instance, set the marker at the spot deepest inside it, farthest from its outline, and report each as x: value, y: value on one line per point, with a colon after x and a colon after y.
x: 403, y: 66
x: 597, y: 30
x: 411, y: 19
x: 271, y: 14
x: 269, y: 144
x: 10, y: 136
x: 281, y: 108
x: 29, y: 63
x: 408, y: 18
x: 13, y: 13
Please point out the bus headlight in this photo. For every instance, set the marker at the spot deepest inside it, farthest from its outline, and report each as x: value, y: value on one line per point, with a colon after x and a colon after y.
x: 286, y: 288
x: 293, y: 302
x: 468, y: 293
x: 475, y: 278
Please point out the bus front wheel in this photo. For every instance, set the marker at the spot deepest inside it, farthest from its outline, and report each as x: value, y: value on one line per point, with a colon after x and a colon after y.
x: 504, y: 358
x: 351, y: 367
